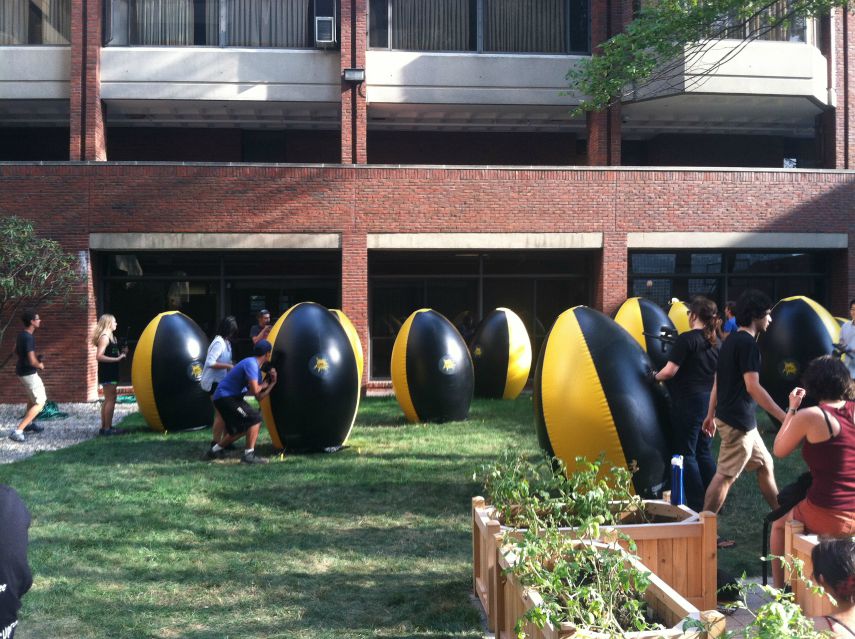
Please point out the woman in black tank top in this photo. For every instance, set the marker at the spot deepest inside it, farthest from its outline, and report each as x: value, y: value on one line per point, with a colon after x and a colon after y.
x: 108, y: 357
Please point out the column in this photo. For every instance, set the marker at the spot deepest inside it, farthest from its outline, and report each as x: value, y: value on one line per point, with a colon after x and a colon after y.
x: 354, y: 118
x: 86, y: 114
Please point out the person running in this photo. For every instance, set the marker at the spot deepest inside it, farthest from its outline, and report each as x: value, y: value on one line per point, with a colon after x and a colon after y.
x: 218, y: 362
x: 27, y: 369
x: 847, y: 340
x: 262, y: 329
x: 240, y: 418
x: 108, y: 357
x: 690, y: 373
x: 733, y: 404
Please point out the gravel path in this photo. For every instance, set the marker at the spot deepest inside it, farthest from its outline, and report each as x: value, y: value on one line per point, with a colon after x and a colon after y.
x: 82, y: 423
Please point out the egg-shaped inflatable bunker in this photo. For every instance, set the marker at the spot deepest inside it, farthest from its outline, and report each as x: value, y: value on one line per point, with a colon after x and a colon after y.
x: 801, y: 330
x: 432, y: 373
x: 678, y: 313
x: 644, y: 319
x: 501, y: 355
x: 353, y: 336
x: 165, y: 372
x: 313, y: 405
x: 591, y: 397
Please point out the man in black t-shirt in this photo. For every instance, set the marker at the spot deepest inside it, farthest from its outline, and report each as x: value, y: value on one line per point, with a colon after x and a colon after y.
x: 733, y: 404
x: 27, y: 367
x: 15, y: 576
x: 261, y: 330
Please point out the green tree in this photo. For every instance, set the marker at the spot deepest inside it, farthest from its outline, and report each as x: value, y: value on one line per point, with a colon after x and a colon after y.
x: 667, y: 35
x: 33, y: 270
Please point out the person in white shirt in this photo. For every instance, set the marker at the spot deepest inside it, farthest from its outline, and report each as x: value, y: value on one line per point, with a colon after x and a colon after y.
x: 218, y: 362
x: 847, y: 341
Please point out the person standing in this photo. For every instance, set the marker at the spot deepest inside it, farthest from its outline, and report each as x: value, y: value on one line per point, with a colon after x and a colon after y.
x: 218, y: 362
x: 27, y: 369
x: 735, y: 396
x: 847, y: 340
x: 15, y: 576
x: 108, y: 357
x: 729, y: 325
x: 689, y: 375
x: 240, y: 418
x: 262, y: 329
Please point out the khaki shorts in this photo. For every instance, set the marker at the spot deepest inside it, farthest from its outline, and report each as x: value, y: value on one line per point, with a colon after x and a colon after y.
x: 35, y: 388
x: 741, y: 451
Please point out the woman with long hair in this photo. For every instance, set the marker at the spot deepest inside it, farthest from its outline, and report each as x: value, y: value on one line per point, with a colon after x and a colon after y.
x: 826, y: 433
x: 834, y: 569
x: 218, y: 362
x: 108, y: 356
x: 690, y: 372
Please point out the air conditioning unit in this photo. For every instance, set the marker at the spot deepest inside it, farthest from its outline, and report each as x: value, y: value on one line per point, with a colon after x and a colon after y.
x: 325, y: 19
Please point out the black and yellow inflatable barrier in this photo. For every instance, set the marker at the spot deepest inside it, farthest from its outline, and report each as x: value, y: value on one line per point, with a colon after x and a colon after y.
x: 644, y: 319
x: 801, y: 330
x: 313, y: 405
x: 432, y: 373
x: 353, y: 336
x: 501, y: 355
x: 165, y: 372
x: 591, y: 397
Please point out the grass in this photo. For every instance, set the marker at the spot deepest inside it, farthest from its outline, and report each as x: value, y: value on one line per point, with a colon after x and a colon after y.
x: 135, y: 537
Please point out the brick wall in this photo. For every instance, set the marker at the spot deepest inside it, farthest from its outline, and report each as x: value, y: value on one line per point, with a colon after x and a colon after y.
x: 67, y: 202
x: 354, y: 111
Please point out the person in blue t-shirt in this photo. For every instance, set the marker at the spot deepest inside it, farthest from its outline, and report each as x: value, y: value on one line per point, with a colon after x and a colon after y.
x: 729, y: 325
x: 241, y: 418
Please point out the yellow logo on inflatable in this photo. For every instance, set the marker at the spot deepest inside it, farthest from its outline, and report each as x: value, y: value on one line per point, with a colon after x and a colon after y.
x: 319, y: 365
x: 477, y: 351
x: 447, y: 365
x: 789, y: 368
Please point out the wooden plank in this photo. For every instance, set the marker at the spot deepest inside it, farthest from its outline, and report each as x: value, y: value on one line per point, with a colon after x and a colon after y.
x: 709, y: 559
x: 680, y: 562
x: 665, y: 568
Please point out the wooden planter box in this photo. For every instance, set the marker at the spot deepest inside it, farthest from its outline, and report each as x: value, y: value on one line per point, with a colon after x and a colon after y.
x: 681, y: 551
x: 799, y: 546
x: 514, y: 601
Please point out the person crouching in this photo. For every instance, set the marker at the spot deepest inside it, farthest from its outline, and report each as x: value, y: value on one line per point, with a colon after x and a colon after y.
x: 241, y: 418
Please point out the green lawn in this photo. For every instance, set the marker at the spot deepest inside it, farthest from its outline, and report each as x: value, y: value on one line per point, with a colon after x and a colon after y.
x: 136, y: 537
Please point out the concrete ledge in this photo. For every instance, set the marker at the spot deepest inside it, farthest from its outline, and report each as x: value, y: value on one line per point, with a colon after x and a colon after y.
x: 476, y: 241
x: 212, y: 241
x: 799, y: 241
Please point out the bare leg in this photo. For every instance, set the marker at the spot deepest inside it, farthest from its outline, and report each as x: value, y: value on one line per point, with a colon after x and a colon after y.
x: 32, y: 412
x: 252, y: 436
x: 766, y: 481
x: 219, y: 427
x: 776, y: 548
x: 109, y: 406
x: 230, y: 439
x: 717, y: 492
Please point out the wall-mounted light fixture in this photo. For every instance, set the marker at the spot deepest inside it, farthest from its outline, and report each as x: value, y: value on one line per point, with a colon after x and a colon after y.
x: 354, y: 76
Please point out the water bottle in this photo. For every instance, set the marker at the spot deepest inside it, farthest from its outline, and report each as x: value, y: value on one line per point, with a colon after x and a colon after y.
x: 678, y: 497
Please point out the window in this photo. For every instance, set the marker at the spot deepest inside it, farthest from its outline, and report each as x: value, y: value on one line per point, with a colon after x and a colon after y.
x: 27, y: 22
x: 502, y: 26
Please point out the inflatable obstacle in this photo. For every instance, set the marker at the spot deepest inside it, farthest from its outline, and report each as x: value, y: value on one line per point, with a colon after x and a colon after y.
x: 591, y: 397
x: 801, y: 330
x: 678, y: 313
x: 165, y: 372
x: 644, y: 319
x: 313, y: 405
x: 501, y: 355
x: 353, y: 336
x: 432, y: 373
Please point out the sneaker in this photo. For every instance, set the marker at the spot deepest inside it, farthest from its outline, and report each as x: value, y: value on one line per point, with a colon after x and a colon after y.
x: 17, y: 436
x: 229, y: 447
x: 211, y: 454
x: 34, y: 428
x: 252, y: 458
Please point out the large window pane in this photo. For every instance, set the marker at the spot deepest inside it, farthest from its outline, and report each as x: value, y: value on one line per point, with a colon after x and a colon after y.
x: 174, y: 22
x: 269, y: 23
x: 525, y: 26
x: 378, y: 24
x: 391, y: 304
x: 35, y: 22
x: 433, y: 25
x: 776, y: 263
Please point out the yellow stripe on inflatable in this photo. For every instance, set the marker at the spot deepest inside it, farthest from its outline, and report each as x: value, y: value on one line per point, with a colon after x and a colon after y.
x: 629, y: 317
x: 266, y: 411
x: 399, y: 369
x: 141, y: 374
x: 827, y: 318
x: 573, y: 400
x: 679, y: 314
x: 353, y: 336
x: 519, y: 357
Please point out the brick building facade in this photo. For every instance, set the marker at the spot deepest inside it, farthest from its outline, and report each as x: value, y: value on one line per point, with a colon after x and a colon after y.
x: 218, y: 180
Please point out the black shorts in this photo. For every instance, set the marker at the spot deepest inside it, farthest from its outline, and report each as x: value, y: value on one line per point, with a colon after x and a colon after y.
x: 238, y: 415
x: 213, y: 388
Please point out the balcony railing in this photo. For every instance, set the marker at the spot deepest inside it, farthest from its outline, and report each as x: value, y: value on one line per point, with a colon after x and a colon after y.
x: 498, y: 26
x: 771, y: 24
x: 33, y: 22
x: 235, y: 23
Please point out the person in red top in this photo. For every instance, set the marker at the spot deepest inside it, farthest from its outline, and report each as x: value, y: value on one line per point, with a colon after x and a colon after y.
x: 828, y: 433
